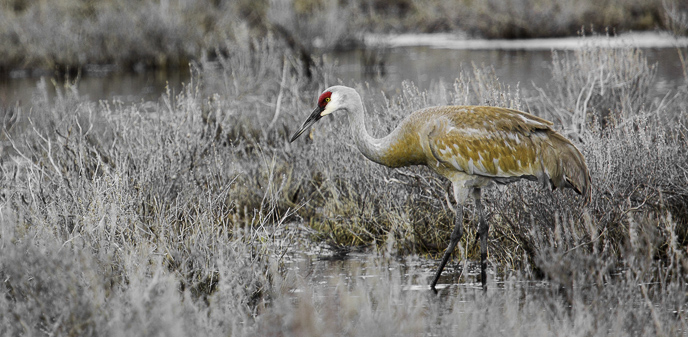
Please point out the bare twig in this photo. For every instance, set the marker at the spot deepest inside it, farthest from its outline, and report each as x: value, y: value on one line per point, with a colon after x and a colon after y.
x: 278, y: 105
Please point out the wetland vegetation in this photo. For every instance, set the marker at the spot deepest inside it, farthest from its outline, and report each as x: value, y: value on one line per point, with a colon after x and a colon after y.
x: 182, y: 216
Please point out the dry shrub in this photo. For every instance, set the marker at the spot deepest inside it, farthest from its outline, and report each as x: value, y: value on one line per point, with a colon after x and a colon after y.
x: 314, y: 24
x: 510, y: 19
x: 514, y: 19
x: 596, y: 85
x: 68, y: 35
x: 676, y: 16
x: 145, y: 214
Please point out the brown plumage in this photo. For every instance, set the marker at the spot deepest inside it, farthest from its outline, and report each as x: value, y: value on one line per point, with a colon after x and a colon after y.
x: 472, y: 146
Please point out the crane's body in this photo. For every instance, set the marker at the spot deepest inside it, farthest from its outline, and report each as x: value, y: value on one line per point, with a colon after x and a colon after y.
x: 472, y: 146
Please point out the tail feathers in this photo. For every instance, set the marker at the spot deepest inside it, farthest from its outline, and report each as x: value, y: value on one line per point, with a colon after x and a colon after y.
x: 566, y: 166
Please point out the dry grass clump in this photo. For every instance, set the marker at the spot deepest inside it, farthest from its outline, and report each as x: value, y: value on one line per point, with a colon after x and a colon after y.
x: 676, y: 17
x: 601, y: 86
x: 315, y: 24
x: 139, y: 209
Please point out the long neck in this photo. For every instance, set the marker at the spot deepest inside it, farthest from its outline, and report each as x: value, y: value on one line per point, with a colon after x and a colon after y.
x: 370, y: 147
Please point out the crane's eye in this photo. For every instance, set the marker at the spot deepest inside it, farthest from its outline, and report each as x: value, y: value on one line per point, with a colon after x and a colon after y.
x: 324, y: 99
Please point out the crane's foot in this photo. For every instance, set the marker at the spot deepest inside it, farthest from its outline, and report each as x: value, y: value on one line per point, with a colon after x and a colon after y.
x: 445, y: 258
x: 433, y: 285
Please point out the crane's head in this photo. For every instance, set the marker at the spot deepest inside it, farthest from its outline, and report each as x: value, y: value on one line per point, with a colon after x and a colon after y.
x: 330, y: 101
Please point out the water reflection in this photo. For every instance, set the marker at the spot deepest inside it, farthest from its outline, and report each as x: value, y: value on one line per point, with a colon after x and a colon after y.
x: 372, y: 277
x: 365, y: 268
x: 422, y: 65
x: 96, y: 85
x: 425, y: 65
x: 523, y: 68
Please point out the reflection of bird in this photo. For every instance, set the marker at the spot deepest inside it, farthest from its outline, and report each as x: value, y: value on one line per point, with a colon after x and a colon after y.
x: 472, y: 146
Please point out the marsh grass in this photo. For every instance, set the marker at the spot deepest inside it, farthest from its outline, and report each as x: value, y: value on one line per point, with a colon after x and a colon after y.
x: 175, y: 217
x: 138, y: 207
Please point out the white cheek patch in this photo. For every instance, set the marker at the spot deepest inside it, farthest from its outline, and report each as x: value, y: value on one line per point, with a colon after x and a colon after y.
x: 332, y: 106
x: 328, y: 110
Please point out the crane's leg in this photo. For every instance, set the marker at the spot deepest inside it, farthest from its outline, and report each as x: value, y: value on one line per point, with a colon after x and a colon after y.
x: 460, y: 196
x: 482, y: 232
x: 456, y: 235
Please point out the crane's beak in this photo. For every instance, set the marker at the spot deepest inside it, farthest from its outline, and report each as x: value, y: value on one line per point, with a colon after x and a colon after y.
x: 314, y: 117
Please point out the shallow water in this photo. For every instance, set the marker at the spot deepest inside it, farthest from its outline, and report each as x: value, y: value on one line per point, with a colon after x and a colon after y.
x: 523, y: 68
x: 377, y: 285
x: 19, y: 86
x: 327, y: 272
x: 424, y: 65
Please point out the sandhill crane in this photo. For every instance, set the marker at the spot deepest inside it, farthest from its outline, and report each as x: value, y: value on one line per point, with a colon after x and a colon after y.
x: 472, y: 146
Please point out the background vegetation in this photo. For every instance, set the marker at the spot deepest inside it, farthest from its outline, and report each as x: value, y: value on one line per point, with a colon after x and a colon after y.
x: 67, y: 35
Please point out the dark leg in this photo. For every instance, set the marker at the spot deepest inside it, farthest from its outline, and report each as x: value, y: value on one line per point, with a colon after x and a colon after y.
x: 482, y: 232
x: 455, y: 237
